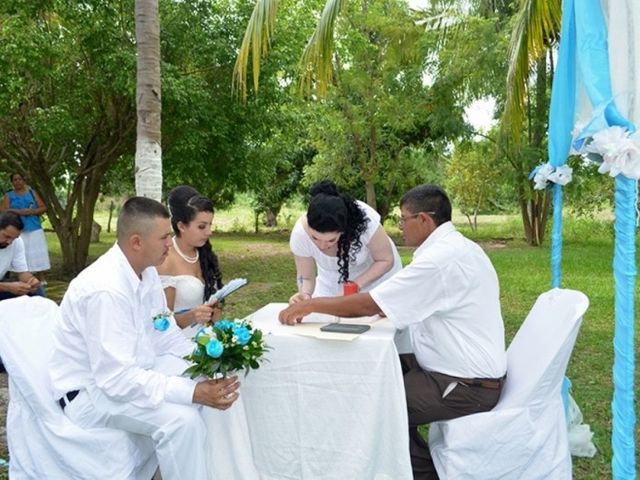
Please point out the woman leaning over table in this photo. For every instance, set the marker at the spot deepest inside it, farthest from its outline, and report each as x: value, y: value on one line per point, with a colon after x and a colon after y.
x: 339, y: 240
x: 191, y: 273
x: 26, y: 202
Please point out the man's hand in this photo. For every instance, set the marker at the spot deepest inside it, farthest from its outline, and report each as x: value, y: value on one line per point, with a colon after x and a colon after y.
x: 218, y: 394
x: 34, y: 284
x: 293, y: 313
x: 17, y: 288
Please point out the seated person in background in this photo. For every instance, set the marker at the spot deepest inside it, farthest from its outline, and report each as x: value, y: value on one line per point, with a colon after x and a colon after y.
x: 190, y: 273
x: 106, y: 349
x: 341, y: 240
x: 12, y: 258
x: 449, y: 297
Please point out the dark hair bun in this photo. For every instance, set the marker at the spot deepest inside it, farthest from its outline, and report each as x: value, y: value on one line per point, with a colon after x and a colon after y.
x: 325, y: 186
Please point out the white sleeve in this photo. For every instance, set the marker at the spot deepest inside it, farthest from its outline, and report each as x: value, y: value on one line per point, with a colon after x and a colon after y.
x: 299, y: 242
x: 411, y: 295
x: 111, y: 345
x: 372, y: 224
x: 19, y: 260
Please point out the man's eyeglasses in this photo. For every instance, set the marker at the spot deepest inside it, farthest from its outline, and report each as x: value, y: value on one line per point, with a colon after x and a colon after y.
x: 403, y: 220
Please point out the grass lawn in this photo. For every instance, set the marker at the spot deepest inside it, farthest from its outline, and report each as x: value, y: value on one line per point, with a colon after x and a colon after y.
x: 523, y: 271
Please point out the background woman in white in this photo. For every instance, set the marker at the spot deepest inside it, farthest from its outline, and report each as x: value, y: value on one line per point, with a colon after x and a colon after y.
x: 339, y: 239
x: 189, y: 275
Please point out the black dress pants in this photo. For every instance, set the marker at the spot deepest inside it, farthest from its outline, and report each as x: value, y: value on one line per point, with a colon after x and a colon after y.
x: 435, y: 396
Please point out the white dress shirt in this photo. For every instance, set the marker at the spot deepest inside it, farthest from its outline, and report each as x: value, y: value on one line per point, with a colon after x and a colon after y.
x: 106, y: 336
x: 450, y: 298
x: 12, y: 258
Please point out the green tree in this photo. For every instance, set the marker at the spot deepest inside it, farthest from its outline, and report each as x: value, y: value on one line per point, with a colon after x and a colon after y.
x: 474, y: 177
x: 66, y: 105
x: 524, y: 122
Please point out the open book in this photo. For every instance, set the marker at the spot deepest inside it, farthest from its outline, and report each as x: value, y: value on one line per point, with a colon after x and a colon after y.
x: 228, y: 289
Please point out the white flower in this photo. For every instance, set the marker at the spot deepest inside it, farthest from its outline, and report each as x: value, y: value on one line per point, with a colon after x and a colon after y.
x: 562, y: 175
x: 545, y: 173
x: 620, y: 153
x: 541, y: 176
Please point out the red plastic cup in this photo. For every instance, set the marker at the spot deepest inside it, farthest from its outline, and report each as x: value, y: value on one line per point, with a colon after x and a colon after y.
x: 349, y: 288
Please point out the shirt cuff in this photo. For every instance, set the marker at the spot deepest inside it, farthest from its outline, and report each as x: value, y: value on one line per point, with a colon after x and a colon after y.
x: 180, y: 390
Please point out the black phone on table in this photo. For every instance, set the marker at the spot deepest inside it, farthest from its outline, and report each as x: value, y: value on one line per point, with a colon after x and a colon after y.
x: 345, y: 327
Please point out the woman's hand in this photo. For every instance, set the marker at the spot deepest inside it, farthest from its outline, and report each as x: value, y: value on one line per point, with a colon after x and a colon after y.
x: 217, y: 310
x: 299, y: 297
x: 202, y: 314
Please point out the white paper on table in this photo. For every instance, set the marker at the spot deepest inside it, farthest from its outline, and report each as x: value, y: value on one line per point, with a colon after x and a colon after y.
x: 266, y: 318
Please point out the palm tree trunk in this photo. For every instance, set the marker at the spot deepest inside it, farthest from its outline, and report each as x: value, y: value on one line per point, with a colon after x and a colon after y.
x: 148, y: 100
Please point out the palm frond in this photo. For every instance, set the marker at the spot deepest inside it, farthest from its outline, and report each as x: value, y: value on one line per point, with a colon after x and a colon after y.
x: 537, y: 27
x: 316, y: 60
x: 444, y: 17
x: 256, y: 41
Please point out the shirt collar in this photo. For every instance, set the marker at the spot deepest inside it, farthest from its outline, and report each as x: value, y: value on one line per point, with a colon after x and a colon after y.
x: 438, y: 234
x: 130, y: 276
x: 136, y: 284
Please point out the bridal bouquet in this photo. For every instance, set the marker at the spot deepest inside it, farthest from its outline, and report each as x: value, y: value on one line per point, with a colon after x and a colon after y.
x: 224, y: 347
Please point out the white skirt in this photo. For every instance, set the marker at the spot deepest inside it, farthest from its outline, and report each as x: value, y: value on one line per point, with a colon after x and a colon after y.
x: 36, y: 251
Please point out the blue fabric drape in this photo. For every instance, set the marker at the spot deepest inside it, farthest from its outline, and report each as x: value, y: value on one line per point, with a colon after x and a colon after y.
x: 584, y: 58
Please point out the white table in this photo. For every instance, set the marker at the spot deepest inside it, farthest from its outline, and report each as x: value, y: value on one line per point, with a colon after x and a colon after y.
x: 327, y: 409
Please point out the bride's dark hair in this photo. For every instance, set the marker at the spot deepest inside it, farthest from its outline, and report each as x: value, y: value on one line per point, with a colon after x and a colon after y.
x: 333, y: 211
x: 185, y: 203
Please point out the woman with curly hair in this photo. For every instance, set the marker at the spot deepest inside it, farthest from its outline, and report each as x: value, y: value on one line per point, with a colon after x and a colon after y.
x: 190, y: 273
x: 339, y: 240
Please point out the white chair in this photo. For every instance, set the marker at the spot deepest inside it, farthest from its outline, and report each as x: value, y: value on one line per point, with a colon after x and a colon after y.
x: 525, y: 436
x: 43, y: 443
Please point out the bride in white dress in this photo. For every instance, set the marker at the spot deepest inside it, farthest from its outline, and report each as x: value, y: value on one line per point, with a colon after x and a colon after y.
x: 189, y: 275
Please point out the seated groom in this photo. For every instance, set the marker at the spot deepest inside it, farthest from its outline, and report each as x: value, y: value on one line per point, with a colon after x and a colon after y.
x: 106, y: 347
x: 12, y: 259
x: 449, y: 298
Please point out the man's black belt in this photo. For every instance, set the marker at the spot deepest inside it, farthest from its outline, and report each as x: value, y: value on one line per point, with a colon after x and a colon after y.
x: 67, y: 398
x: 491, y: 383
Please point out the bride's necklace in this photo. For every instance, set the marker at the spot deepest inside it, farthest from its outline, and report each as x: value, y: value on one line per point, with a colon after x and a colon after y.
x: 186, y: 258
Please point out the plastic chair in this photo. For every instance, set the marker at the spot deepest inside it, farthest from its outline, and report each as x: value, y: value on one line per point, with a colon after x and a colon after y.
x: 525, y: 436
x: 43, y: 442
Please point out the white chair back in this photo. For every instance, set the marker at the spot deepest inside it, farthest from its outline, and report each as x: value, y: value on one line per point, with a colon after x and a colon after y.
x: 538, y: 355
x: 525, y: 436
x: 43, y: 442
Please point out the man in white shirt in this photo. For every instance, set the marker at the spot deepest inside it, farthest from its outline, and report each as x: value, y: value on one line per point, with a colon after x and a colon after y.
x: 12, y: 259
x: 448, y: 297
x: 105, y: 367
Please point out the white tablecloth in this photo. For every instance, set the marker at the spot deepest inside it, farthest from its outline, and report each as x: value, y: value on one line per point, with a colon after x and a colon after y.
x: 327, y: 409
